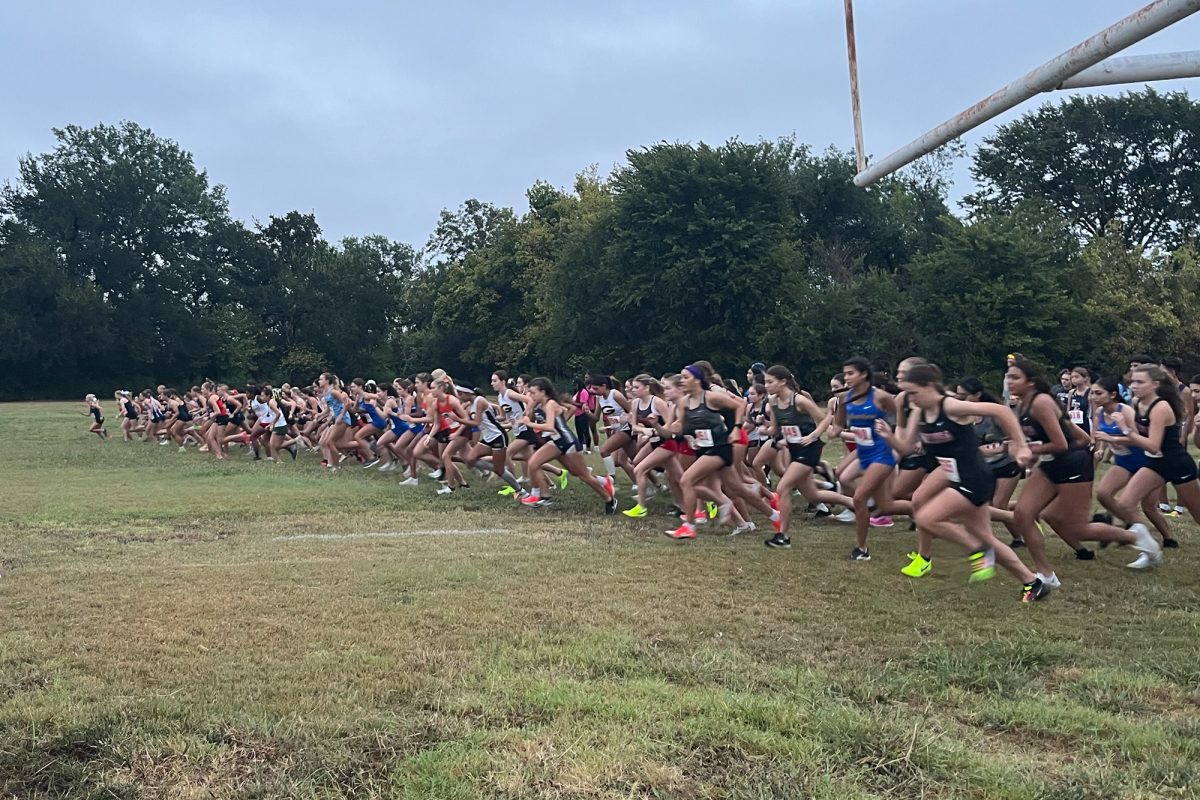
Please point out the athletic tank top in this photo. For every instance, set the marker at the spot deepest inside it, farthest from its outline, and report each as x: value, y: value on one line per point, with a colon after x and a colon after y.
x: 1113, y: 428
x: 953, y: 444
x: 794, y: 424
x: 369, y: 409
x: 611, y: 408
x: 1077, y: 410
x: 445, y: 416
x: 489, y: 426
x: 337, y: 410
x: 988, y: 432
x: 511, y: 407
x: 1170, y: 445
x: 705, y: 425
x: 1034, y: 431
x: 648, y: 417
x: 860, y: 420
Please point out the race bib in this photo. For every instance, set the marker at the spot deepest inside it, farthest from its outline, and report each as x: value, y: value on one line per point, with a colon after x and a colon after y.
x: 1076, y: 416
x: 792, y: 434
x: 703, y: 437
x: 949, y: 469
x: 864, y: 437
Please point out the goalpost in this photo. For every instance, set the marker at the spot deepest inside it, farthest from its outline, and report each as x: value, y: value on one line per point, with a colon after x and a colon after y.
x: 1083, y: 65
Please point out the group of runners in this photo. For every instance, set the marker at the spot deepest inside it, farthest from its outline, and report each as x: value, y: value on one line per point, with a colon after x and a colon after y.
x: 947, y: 455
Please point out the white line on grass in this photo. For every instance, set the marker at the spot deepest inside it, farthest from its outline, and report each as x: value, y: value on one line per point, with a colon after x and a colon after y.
x: 390, y: 535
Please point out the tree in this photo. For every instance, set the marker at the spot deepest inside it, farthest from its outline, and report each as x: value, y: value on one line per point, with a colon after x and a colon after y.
x: 1132, y: 160
x: 1007, y: 283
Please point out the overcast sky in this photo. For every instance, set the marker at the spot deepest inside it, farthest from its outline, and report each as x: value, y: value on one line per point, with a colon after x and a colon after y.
x: 376, y: 115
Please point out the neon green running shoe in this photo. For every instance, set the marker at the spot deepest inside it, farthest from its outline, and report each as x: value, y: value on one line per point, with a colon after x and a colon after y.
x: 917, y: 567
x: 562, y: 479
x: 712, y: 509
x: 507, y: 491
x: 636, y: 512
x: 983, y: 564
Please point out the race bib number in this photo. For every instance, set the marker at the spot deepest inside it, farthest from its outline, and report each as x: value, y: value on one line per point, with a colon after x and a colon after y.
x: 703, y: 437
x: 1076, y: 416
x: 949, y: 468
x: 792, y: 434
x: 864, y: 437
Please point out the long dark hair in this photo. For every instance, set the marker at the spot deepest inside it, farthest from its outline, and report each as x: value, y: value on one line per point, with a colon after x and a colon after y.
x: 925, y: 375
x: 1164, y: 388
x: 782, y: 373
x: 1033, y: 373
x: 973, y: 385
x: 545, y: 385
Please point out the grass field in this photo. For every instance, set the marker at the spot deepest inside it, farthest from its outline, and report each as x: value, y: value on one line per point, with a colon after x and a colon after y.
x: 159, y: 639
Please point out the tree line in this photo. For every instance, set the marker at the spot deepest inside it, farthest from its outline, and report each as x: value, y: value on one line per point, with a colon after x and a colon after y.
x: 120, y: 264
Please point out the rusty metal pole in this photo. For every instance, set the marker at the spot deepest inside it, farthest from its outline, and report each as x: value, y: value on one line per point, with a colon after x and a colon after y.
x: 855, y: 104
x: 1137, y: 69
x: 1137, y: 26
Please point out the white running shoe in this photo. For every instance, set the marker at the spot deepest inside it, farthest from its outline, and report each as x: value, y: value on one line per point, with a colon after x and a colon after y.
x: 744, y: 527
x: 409, y: 482
x: 845, y: 516
x: 445, y: 489
x: 1141, y: 562
x: 1146, y: 545
x: 1053, y: 582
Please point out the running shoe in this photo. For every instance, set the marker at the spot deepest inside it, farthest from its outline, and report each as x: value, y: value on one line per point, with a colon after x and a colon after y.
x: 1032, y: 592
x: 778, y: 541
x: 1168, y: 542
x: 1103, y: 516
x: 1051, y: 580
x: 529, y: 501
x: 858, y: 554
x: 1143, y: 561
x: 712, y: 509
x: 637, y: 512
x: 847, y: 516
x: 1083, y: 554
x: 744, y: 527
x: 437, y: 474
x: 882, y: 522
x: 445, y: 489
x: 983, y: 565
x: 563, y: 475
x: 1146, y: 544
x: 1017, y: 544
x: 388, y: 467
x: 822, y: 510
x: 409, y: 482
x: 506, y: 491
x: 917, y: 566
x: 370, y: 463
x: 684, y: 531
x: 1180, y: 511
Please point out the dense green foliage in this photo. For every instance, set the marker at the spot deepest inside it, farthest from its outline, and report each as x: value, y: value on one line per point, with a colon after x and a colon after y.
x: 120, y: 264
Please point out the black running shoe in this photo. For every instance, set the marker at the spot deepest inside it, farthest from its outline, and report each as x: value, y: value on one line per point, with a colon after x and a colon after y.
x: 859, y: 555
x: 1032, y: 592
x: 610, y: 506
x: 1104, y: 517
x: 1017, y: 544
x: 1083, y: 554
x: 1168, y: 542
x: 779, y: 541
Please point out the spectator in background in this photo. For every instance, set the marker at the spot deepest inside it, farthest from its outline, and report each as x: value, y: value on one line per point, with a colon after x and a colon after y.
x: 585, y: 424
x: 1062, y: 390
x: 1009, y: 400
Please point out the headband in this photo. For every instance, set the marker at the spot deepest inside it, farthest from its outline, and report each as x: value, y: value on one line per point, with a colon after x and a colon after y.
x: 695, y: 372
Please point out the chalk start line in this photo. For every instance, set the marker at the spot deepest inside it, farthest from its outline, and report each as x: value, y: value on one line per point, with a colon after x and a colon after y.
x: 388, y: 535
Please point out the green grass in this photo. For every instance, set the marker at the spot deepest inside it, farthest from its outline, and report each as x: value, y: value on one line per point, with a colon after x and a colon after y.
x: 157, y: 640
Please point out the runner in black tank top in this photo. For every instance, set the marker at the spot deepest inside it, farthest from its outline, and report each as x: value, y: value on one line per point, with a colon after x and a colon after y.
x: 952, y: 502
x: 794, y: 418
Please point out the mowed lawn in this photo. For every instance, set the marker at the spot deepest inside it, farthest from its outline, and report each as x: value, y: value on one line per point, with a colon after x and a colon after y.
x: 159, y: 638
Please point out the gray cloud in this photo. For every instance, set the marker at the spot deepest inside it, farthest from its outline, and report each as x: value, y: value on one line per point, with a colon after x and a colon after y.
x: 376, y: 115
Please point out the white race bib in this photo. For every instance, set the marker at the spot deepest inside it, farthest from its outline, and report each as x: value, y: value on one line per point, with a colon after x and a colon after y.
x: 950, y: 469
x: 703, y: 437
x: 791, y: 433
x: 1076, y: 416
x: 864, y: 437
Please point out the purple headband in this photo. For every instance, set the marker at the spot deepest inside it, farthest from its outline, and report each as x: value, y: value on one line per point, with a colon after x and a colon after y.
x: 695, y: 371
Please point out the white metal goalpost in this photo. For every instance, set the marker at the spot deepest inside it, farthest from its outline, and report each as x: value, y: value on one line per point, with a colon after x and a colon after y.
x: 1081, y: 66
